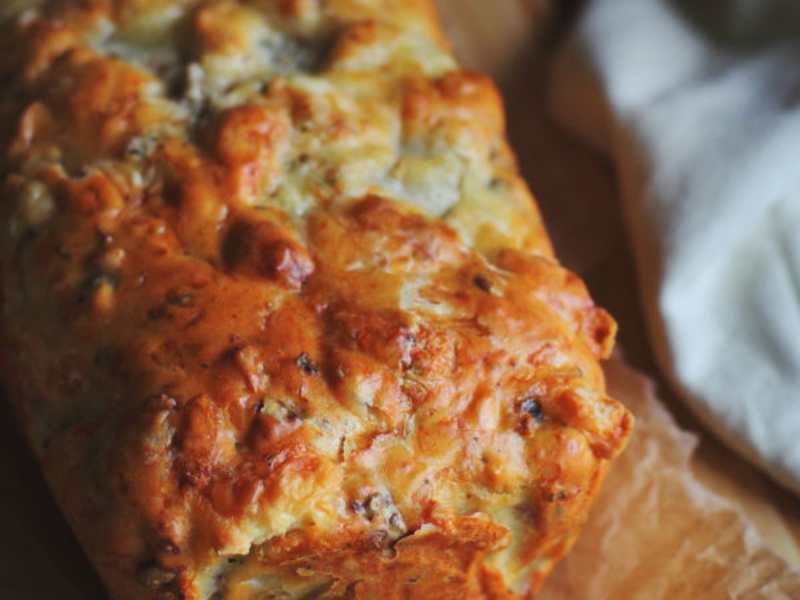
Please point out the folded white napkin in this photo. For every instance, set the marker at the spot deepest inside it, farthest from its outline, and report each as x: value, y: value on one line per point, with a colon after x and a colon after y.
x: 698, y: 104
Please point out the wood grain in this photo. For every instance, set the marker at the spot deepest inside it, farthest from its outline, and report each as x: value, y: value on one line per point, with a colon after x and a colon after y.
x: 513, y: 40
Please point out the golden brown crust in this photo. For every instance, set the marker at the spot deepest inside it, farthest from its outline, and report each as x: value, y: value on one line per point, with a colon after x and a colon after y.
x: 279, y: 315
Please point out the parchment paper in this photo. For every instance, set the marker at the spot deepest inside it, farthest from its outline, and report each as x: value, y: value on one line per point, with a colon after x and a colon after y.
x: 654, y: 534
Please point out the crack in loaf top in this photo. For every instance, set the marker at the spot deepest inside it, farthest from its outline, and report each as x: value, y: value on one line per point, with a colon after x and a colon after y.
x: 263, y: 260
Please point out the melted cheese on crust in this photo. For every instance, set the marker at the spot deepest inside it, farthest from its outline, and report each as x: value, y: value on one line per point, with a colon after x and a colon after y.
x: 279, y: 315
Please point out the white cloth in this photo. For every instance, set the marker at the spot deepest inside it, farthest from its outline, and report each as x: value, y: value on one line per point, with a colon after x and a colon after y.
x: 703, y: 127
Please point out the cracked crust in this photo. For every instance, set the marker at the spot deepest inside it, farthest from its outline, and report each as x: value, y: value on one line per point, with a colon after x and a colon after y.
x: 280, y: 318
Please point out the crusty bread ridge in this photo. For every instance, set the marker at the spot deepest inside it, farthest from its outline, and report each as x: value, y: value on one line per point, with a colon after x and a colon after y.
x: 280, y: 318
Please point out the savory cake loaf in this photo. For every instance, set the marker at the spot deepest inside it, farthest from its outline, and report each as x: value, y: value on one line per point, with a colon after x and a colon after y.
x: 279, y: 317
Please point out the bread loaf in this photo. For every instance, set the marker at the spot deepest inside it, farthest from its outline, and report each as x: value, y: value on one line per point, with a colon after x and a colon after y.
x: 279, y: 317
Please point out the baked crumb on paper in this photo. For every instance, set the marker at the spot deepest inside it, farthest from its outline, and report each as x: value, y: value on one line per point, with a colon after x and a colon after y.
x: 656, y: 532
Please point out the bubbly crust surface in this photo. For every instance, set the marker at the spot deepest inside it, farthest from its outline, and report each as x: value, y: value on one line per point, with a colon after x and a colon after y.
x: 280, y: 318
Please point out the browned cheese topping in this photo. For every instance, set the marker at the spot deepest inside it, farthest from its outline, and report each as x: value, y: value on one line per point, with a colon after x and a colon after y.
x: 280, y: 318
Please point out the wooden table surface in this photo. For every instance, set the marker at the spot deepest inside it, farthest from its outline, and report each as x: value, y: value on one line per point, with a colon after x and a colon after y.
x: 512, y: 40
